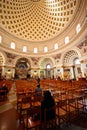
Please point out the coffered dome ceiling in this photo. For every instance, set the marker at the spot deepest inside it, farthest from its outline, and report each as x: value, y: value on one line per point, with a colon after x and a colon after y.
x: 36, y: 20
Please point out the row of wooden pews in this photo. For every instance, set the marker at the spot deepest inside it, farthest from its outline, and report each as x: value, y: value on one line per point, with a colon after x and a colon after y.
x: 70, y: 98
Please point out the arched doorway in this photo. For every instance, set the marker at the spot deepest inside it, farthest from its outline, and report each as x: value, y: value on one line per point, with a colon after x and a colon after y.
x: 69, y: 65
x: 46, y: 68
x: 2, y: 60
x: 48, y: 71
x: 77, y: 68
x: 22, y: 70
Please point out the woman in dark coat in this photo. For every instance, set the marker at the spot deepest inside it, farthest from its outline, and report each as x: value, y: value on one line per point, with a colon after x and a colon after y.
x: 47, y: 102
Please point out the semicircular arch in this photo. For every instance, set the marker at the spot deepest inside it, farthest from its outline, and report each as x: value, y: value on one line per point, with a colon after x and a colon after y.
x: 69, y: 56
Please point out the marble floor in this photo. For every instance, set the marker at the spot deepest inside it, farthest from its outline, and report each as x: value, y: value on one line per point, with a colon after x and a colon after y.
x: 9, y: 120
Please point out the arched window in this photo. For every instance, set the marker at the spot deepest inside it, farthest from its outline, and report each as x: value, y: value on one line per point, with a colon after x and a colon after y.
x: 24, y: 49
x: 48, y: 66
x: 45, y: 49
x: 0, y: 39
x: 12, y: 45
x: 66, y: 40
x: 76, y: 61
x: 78, y: 28
x: 35, y: 50
x: 56, y: 46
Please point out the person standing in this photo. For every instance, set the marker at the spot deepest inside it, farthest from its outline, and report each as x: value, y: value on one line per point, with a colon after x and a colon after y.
x: 47, y: 103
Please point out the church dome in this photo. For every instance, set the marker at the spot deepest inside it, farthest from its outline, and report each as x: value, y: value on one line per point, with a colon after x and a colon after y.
x: 36, y: 20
